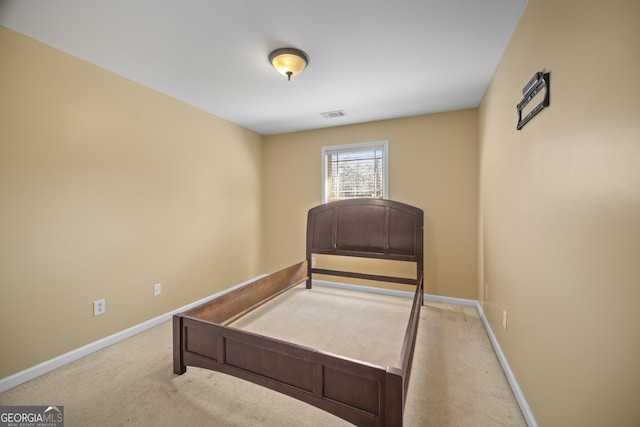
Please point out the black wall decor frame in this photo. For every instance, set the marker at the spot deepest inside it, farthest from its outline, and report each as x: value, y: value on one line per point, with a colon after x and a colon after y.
x: 538, y: 83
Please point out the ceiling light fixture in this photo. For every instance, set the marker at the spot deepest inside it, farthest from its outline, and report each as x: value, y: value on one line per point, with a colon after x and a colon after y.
x: 289, y: 61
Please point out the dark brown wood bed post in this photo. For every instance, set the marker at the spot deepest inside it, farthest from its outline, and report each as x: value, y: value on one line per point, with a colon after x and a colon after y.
x: 420, y: 255
x: 310, y: 265
x: 420, y: 278
x: 179, y: 367
x: 394, y: 398
x: 309, y: 271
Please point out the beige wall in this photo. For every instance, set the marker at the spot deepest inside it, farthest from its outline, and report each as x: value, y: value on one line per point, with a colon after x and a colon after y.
x: 433, y: 165
x: 560, y: 212
x: 107, y: 187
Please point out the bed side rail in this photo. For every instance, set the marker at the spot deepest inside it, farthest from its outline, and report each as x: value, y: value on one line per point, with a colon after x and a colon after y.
x: 409, y: 343
x: 238, y: 302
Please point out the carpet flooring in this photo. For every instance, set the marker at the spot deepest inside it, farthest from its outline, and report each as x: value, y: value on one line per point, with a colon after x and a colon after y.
x: 456, y: 378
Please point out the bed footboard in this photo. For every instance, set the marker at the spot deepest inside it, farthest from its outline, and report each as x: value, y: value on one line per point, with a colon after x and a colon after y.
x: 361, y: 393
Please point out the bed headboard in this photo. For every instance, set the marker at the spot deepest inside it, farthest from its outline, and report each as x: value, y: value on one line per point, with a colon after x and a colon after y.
x: 369, y: 228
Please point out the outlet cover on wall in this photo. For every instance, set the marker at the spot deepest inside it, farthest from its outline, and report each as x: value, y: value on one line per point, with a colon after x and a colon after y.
x: 504, y: 319
x: 157, y: 289
x: 99, y: 307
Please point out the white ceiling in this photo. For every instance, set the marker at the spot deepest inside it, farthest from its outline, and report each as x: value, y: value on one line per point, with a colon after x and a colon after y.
x: 374, y: 59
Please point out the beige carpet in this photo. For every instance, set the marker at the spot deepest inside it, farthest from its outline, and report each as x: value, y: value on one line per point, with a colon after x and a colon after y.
x: 456, y: 378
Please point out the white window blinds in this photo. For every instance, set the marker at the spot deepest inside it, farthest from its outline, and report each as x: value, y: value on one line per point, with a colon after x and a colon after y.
x: 355, y: 170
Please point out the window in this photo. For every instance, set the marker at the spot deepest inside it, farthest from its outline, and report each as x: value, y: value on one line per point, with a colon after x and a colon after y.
x: 355, y: 170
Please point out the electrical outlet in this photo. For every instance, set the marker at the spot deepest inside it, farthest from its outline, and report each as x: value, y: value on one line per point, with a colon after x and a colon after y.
x: 504, y: 319
x: 99, y: 307
x: 157, y: 289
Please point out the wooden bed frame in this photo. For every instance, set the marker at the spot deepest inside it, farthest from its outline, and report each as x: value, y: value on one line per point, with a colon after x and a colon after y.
x: 359, y: 392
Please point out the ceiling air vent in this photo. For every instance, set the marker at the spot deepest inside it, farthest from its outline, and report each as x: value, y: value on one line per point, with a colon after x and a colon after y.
x: 333, y: 114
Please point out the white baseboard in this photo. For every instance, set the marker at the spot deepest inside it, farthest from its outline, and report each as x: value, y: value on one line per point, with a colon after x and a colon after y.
x: 64, y: 359
x: 451, y: 300
x: 361, y: 288
x: 517, y: 392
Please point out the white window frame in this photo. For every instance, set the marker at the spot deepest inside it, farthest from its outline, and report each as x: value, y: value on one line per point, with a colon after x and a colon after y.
x: 361, y: 146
